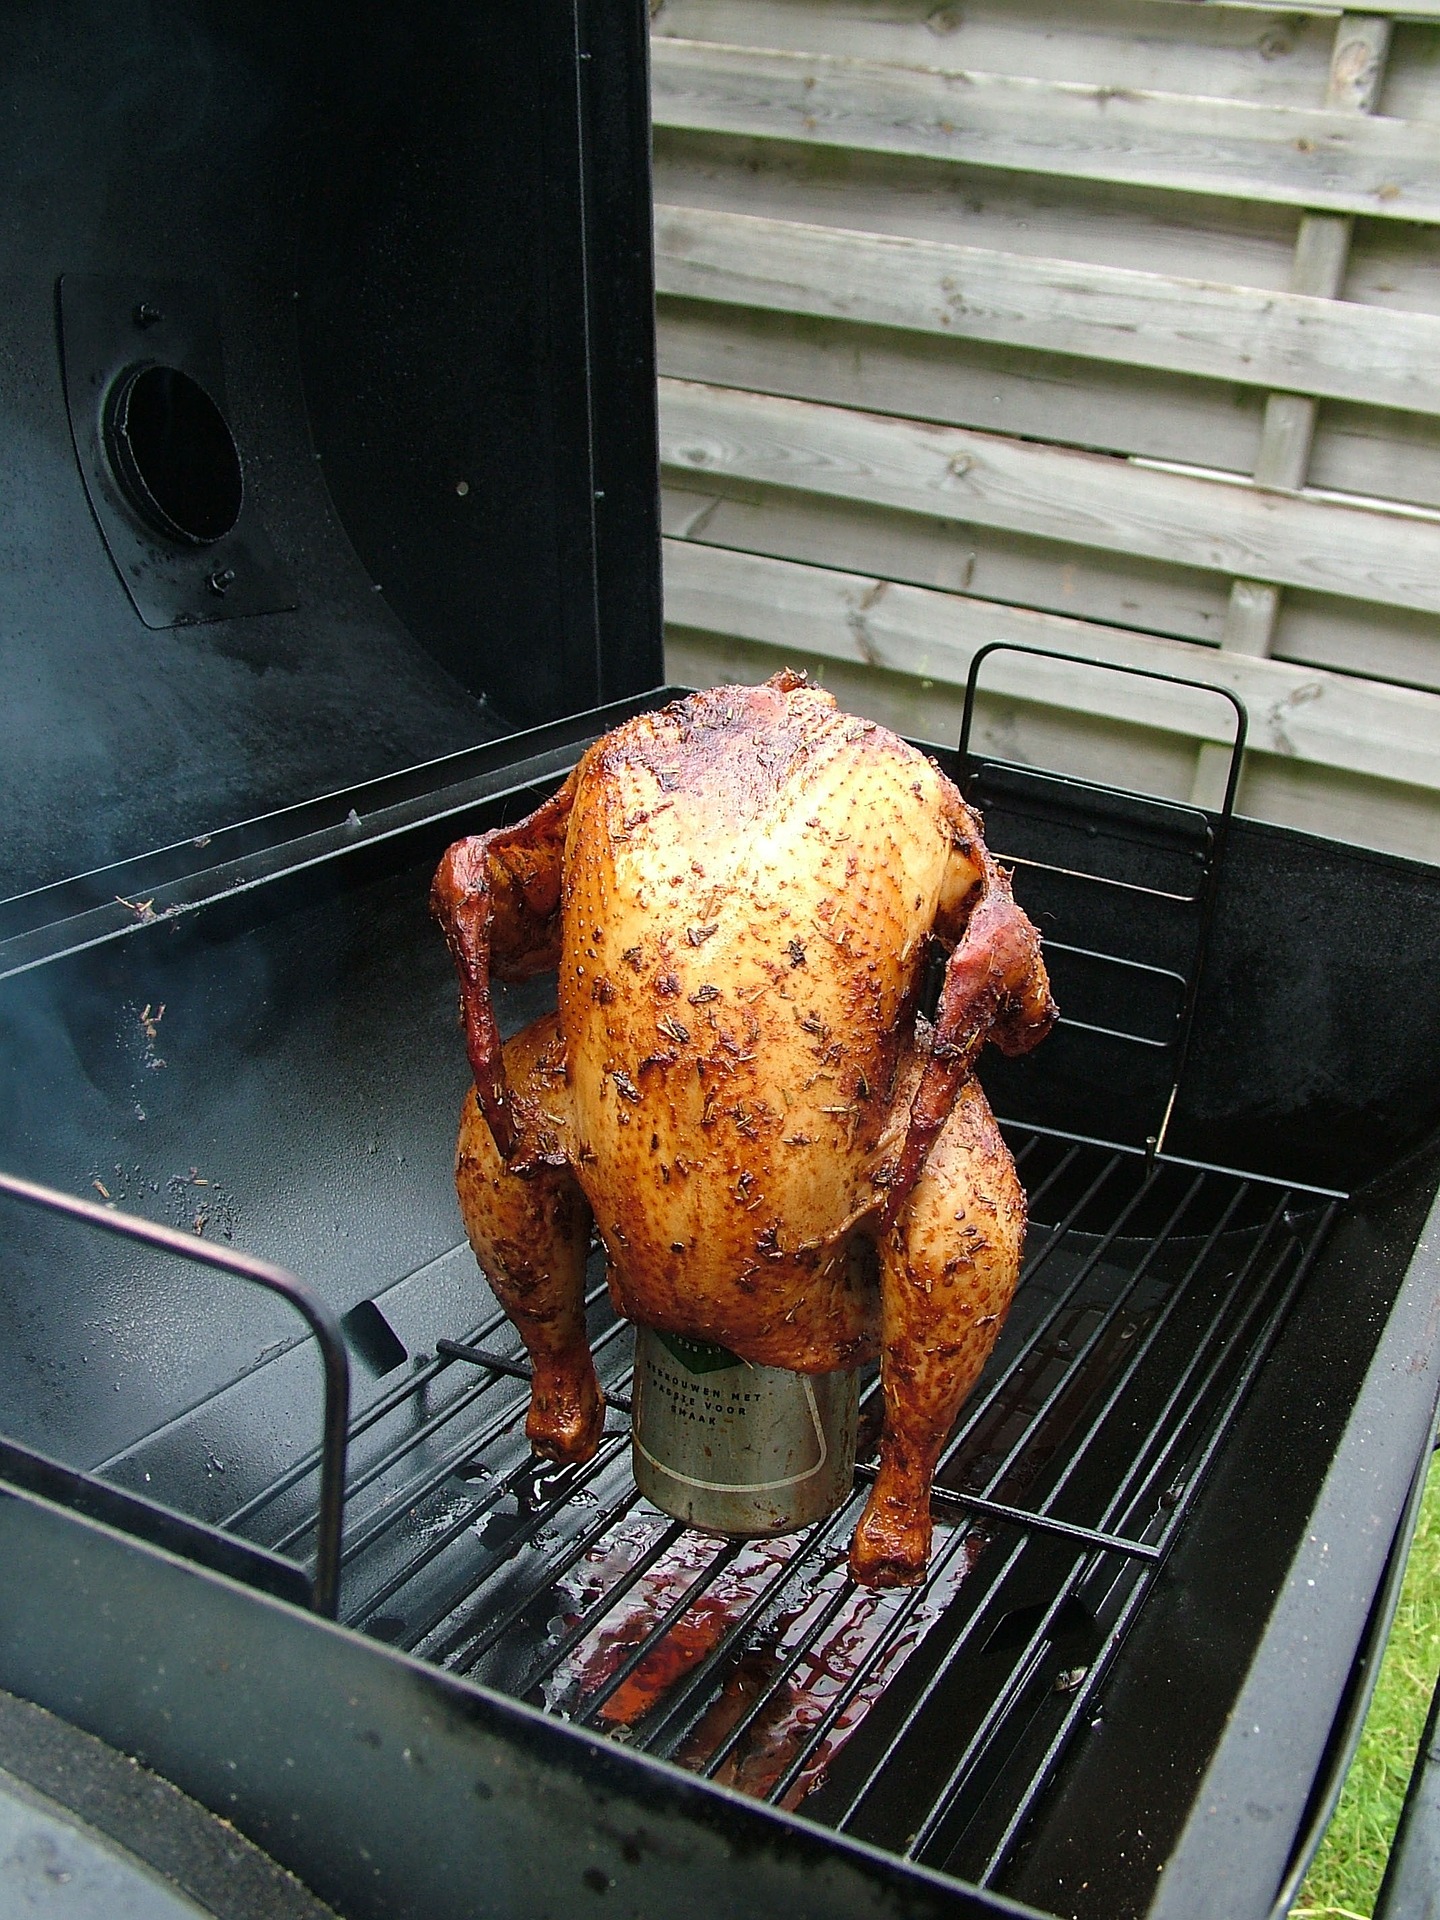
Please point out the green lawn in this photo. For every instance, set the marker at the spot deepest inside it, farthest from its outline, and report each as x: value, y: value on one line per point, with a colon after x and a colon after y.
x: 1346, y: 1875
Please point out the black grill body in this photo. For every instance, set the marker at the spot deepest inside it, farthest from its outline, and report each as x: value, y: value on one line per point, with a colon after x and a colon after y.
x: 406, y: 256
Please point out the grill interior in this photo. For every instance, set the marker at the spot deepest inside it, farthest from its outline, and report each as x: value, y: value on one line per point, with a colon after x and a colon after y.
x: 928, y: 1721
x: 303, y: 1109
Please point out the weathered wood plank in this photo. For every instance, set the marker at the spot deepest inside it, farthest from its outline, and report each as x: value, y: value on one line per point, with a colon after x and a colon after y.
x: 1112, y: 588
x: 1124, y: 43
x: 1396, y: 9
x: 1236, y: 242
x: 1102, y: 405
x: 1386, y: 644
x: 1050, y: 493
x: 1296, y: 713
x: 1380, y: 643
x: 725, y: 19
x: 1379, y: 815
x: 1244, y: 243
x: 1383, y: 457
x: 1329, y: 348
x: 1307, y: 157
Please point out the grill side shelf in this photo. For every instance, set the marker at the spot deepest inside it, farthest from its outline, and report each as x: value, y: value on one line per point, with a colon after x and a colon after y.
x: 345, y: 1761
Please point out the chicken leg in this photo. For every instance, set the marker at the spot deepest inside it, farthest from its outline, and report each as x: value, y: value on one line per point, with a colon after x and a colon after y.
x: 529, y: 1225
x: 948, y: 1269
x: 497, y: 897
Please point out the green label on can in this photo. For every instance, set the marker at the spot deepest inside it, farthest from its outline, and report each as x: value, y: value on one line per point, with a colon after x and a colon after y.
x: 697, y: 1356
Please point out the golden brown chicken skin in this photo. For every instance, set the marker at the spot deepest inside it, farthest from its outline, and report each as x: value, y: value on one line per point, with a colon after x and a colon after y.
x: 740, y: 893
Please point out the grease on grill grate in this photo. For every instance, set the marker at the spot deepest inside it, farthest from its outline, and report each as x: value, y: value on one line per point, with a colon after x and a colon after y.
x: 818, y: 1637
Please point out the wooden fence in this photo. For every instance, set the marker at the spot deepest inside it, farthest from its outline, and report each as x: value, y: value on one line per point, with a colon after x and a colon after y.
x: 1110, y: 328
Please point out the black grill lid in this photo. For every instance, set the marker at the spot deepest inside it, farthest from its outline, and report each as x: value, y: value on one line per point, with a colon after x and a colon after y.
x: 327, y: 438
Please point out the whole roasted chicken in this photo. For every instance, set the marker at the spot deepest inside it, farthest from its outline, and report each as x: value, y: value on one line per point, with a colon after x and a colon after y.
x: 781, y: 1156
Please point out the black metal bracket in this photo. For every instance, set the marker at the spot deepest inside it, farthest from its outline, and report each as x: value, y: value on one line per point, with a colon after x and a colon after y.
x: 317, y: 1313
x: 1212, y: 853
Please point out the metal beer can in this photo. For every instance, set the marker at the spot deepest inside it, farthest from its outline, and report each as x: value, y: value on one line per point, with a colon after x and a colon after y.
x: 740, y: 1450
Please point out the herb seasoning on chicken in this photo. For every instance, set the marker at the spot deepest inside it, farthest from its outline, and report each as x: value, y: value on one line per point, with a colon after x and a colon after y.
x: 740, y: 893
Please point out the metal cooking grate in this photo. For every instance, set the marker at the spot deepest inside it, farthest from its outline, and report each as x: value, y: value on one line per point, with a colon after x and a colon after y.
x: 927, y: 1721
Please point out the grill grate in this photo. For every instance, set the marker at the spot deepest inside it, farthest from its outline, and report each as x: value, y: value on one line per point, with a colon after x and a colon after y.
x: 927, y: 1721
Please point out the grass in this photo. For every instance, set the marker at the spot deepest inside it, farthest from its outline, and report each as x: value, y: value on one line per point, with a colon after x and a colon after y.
x: 1346, y: 1876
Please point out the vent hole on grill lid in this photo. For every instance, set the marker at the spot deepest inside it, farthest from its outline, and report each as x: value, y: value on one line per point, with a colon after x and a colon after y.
x: 174, y: 455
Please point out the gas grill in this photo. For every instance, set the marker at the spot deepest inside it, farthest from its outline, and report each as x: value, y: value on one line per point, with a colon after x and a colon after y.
x: 250, y: 1376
